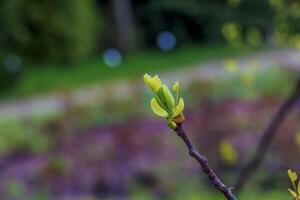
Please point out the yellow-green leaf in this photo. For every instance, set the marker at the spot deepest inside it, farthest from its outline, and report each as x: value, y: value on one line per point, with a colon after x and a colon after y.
x: 179, y: 108
x: 298, y: 187
x: 292, y: 175
x: 154, y: 83
x: 159, y: 111
x: 176, y: 86
x: 169, y: 99
x: 171, y: 124
x: 294, y: 194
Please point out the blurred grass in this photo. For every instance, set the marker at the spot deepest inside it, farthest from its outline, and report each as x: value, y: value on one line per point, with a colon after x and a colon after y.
x: 191, y: 190
x: 49, y: 78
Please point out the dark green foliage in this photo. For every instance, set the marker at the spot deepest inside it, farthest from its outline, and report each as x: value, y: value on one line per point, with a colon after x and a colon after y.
x: 254, y: 13
x: 61, y: 30
x: 202, y: 20
x: 10, y: 70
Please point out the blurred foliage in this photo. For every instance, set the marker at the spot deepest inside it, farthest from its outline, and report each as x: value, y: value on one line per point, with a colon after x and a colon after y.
x: 16, y: 136
x: 67, y: 31
x: 9, y: 70
x: 287, y: 26
x: 204, y: 20
x: 190, y: 189
x: 228, y: 153
x: 15, y: 189
x: 297, y: 138
x: 56, y: 31
x: 64, y: 31
x: 247, y: 22
x: 252, y: 84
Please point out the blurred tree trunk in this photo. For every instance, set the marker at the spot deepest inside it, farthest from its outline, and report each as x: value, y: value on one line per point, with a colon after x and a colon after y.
x: 267, y: 137
x: 124, y: 19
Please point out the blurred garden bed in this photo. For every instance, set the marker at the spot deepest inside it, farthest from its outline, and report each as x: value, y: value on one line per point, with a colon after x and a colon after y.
x: 117, y: 150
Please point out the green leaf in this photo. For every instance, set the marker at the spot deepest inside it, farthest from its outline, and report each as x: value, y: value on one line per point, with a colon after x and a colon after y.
x: 159, y: 96
x: 171, y: 124
x: 294, y: 194
x: 292, y: 175
x: 159, y: 111
x: 179, y: 108
x: 176, y: 86
x: 168, y: 98
x: 153, y: 83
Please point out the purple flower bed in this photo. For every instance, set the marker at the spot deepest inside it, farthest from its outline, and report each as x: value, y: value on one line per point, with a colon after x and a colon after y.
x: 107, y: 159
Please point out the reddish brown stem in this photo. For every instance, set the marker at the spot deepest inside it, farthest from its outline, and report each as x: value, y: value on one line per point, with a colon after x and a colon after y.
x: 214, y: 179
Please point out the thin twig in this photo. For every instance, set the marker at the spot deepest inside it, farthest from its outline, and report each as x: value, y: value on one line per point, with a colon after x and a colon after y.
x: 266, y: 139
x: 215, y: 180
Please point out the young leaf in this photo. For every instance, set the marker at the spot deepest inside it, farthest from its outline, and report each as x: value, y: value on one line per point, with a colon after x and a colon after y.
x: 157, y: 109
x: 154, y: 83
x: 171, y: 124
x: 294, y: 194
x: 170, y: 102
x: 298, y: 188
x: 179, y: 108
x: 292, y: 175
x: 176, y: 86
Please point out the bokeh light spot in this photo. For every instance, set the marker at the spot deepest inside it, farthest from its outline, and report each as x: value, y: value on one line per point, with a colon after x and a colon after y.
x: 112, y: 57
x: 166, y: 40
x: 228, y: 153
x: 230, y: 65
x: 13, y: 63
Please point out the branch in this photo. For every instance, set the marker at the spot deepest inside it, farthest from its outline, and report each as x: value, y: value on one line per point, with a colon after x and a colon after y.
x: 267, y: 137
x: 214, y: 179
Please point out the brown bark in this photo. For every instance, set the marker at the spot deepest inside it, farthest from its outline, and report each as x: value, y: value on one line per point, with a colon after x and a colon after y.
x: 214, y: 179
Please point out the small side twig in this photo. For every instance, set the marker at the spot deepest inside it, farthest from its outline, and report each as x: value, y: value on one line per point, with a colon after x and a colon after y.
x: 267, y: 137
x: 215, y: 180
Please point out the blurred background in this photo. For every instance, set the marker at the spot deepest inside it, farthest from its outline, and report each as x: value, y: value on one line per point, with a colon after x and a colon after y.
x: 75, y: 120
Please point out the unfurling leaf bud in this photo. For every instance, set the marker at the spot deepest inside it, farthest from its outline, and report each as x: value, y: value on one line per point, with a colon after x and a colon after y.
x: 154, y: 83
x: 164, y: 104
x: 176, y: 86
x: 171, y: 124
